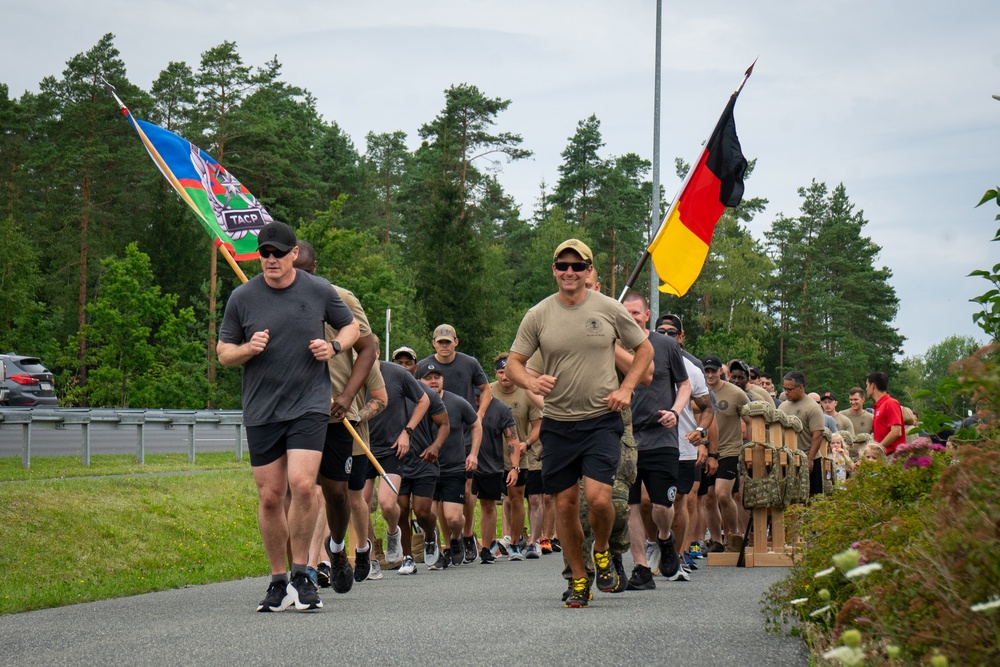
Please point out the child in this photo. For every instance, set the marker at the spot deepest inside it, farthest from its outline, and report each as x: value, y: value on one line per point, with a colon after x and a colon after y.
x: 872, y: 452
x: 843, y: 467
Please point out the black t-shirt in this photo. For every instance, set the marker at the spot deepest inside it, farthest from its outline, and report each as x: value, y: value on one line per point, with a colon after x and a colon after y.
x: 403, y: 391
x: 412, y: 466
x: 660, y: 394
x: 461, y: 415
x: 461, y: 376
x: 498, y: 418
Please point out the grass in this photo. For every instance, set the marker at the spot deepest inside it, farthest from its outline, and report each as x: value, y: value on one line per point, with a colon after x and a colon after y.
x: 59, y: 467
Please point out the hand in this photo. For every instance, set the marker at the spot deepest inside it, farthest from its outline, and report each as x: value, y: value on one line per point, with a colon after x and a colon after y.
x: 259, y: 341
x: 471, y: 463
x: 430, y: 455
x: 512, y: 478
x: 702, y: 455
x: 402, y: 444
x: 321, y: 349
x: 711, y: 466
x: 694, y: 437
x: 618, y: 400
x: 667, y: 419
x: 543, y: 384
x: 339, y: 407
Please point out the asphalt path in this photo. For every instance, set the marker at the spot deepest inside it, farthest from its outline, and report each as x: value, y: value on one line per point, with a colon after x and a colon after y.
x: 470, y: 615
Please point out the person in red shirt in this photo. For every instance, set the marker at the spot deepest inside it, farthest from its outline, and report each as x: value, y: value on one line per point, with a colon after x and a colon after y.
x: 887, y: 424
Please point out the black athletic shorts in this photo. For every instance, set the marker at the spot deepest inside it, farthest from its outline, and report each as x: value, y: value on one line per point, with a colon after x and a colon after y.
x: 589, y: 448
x: 389, y: 463
x: 707, y: 482
x: 729, y: 469
x: 687, y: 474
x: 533, y: 485
x: 657, y: 469
x: 816, y: 477
x: 418, y: 486
x: 337, y: 463
x: 359, y: 472
x: 269, y: 442
x: 450, y: 488
x: 522, y: 480
x: 488, y: 487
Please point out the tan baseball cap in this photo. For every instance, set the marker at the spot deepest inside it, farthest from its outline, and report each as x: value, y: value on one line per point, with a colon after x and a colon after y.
x: 577, y: 246
x: 445, y: 332
x: 405, y: 350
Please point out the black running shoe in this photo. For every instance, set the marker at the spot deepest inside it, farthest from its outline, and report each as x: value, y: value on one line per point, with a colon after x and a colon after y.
x: 471, y: 551
x: 442, y: 562
x: 457, y: 552
x: 641, y: 579
x: 556, y: 546
x: 303, y: 592
x: 670, y: 562
x: 323, y: 575
x: 579, y: 593
x: 620, y: 570
x: 277, y: 598
x: 362, y: 563
x: 486, y: 556
x: 607, y: 577
x: 342, y: 575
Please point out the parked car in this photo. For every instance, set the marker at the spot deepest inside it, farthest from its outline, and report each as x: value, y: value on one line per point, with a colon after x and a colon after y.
x: 26, y: 381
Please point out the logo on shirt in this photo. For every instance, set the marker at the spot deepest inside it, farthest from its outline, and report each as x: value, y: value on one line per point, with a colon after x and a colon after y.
x: 595, y: 327
x: 723, y: 404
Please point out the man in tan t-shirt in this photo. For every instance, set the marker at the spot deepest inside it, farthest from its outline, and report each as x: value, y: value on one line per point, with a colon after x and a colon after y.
x: 860, y: 418
x: 811, y: 415
x: 575, y: 330
x: 828, y: 402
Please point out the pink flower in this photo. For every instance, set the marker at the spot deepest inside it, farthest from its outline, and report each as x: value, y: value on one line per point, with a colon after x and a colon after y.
x: 917, y: 461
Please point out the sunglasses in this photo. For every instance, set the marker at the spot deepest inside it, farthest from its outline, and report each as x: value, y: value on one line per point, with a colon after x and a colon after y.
x: 578, y: 267
x: 267, y: 253
x: 673, y: 333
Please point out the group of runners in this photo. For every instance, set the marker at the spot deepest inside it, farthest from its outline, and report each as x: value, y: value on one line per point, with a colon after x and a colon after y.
x: 604, y: 425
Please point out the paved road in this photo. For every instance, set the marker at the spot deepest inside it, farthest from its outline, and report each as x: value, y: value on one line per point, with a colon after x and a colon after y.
x: 471, y: 615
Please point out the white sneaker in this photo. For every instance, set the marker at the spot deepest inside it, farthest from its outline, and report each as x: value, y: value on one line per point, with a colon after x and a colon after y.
x: 393, y: 549
x: 432, y: 550
x: 408, y: 566
x: 376, y: 571
x: 653, y: 556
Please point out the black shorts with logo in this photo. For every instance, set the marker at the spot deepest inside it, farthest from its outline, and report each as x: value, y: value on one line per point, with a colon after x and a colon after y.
x: 488, y: 487
x: 337, y: 460
x: 269, y: 442
x: 657, y: 470
x: 450, y: 488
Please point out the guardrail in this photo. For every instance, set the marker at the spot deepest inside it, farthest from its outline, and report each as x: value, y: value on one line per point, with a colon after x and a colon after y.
x: 140, y: 420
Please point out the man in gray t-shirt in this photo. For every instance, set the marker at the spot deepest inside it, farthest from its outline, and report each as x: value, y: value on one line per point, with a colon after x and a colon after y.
x: 273, y: 327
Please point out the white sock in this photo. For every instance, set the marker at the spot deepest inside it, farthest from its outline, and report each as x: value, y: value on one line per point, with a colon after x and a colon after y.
x: 336, y: 547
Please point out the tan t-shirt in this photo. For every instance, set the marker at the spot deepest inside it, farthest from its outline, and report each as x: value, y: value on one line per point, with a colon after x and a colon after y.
x: 577, y: 346
x: 373, y: 383
x: 862, y: 423
x: 759, y: 394
x: 525, y: 412
x: 730, y: 399
x: 811, y: 416
x: 843, y: 423
x: 341, y: 365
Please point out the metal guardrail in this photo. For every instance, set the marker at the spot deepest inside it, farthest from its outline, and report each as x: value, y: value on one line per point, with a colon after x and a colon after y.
x: 59, y: 418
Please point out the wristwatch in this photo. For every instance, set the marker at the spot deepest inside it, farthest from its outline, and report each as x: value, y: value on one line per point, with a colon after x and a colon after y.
x: 409, y: 431
x: 517, y: 468
x: 336, y: 347
x: 702, y: 432
x: 713, y: 455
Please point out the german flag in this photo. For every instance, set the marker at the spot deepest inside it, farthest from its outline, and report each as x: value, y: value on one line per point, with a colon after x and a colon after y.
x: 716, y: 181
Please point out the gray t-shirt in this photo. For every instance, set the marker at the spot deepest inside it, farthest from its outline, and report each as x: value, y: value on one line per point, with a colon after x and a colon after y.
x: 284, y: 381
x: 461, y: 415
x: 404, y: 392
x: 461, y: 376
x: 412, y: 466
x: 648, y: 400
x: 498, y: 418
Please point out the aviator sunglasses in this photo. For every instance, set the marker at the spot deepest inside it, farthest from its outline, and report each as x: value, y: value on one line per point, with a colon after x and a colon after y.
x: 578, y: 267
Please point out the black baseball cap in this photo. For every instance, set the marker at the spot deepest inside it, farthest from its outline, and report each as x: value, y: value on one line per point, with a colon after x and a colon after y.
x: 711, y: 361
x: 827, y: 394
x: 672, y: 320
x: 427, y: 370
x: 278, y: 235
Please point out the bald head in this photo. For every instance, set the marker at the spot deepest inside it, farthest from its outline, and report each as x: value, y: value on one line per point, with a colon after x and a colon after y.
x: 307, y: 257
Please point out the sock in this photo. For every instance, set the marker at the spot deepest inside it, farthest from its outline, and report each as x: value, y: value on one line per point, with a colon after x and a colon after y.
x: 280, y: 578
x: 365, y: 550
x: 298, y: 568
x: 336, y: 547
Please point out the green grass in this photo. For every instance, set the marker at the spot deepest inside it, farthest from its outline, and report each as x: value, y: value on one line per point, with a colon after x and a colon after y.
x: 59, y: 467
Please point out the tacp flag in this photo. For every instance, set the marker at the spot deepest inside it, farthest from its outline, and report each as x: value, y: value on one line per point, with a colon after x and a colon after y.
x: 716, y: 181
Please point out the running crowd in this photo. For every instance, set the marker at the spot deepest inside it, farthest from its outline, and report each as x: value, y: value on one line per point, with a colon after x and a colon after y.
x: 616, y: 436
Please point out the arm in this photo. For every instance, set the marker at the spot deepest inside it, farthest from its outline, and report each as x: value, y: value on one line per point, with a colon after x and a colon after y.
x: 817, y: 440
x: 375, y: 404
x: 621, y: 398
x: 892, y: 436
x: 231, y: 354
x: 712, y: 463
x: 472, y: 460
x: 444, y: 428
x: 365, y: 347
x: 486, y: 395
x: 702, y: 405
x: 519, y: 375
x: 671, y: 417
x: 517, y: 449
x: 623, y: 362
x: 402, y: 444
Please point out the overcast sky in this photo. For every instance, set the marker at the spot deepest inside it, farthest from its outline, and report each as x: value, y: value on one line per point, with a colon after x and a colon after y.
x: 893, y: 99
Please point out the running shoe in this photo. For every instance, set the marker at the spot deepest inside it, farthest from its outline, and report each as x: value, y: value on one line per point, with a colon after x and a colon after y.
x: 277, y: 597
x: 620, y: 570
x: 695, y: 550
x: 313, y: 575
x: 376, y: 572
x: 504, y: 543
x: 471, y: 549
x: 457, y: 552
x: 408, y: 566
x: 362, y: 563
x: 341, y: 573
x: 515, y: 553
x: 556, y: 546
x: 653, y: 556
x: 441, y: 563
x: 689, y: 561
x: 579, y: 593
x: 486, y: 556
x: 302, y: 592
x: 546, y: 545
x: 641, y: 579
x: 495, y: 550
x: 670, y: 562
x: 432, y: 550
x: 393, y: 548
x: 323, y: 574
x: 533, y: 551
x: 607, y: 576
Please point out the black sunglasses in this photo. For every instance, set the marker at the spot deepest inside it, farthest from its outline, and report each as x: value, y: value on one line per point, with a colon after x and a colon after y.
x: 578, y: 267
x: 267, y: 253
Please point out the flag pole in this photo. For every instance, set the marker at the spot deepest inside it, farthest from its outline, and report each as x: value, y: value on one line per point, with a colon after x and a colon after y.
x: 162, y: 166
x: 673, y: 204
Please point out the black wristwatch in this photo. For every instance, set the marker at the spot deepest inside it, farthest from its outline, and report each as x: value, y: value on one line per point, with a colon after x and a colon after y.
x: 713, y: 455
x: 702, y: 432
x: 336, y: 347
x: 408, y: 430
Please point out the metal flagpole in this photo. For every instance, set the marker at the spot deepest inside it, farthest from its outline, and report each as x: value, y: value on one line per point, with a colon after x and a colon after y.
x: 654, y: 278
